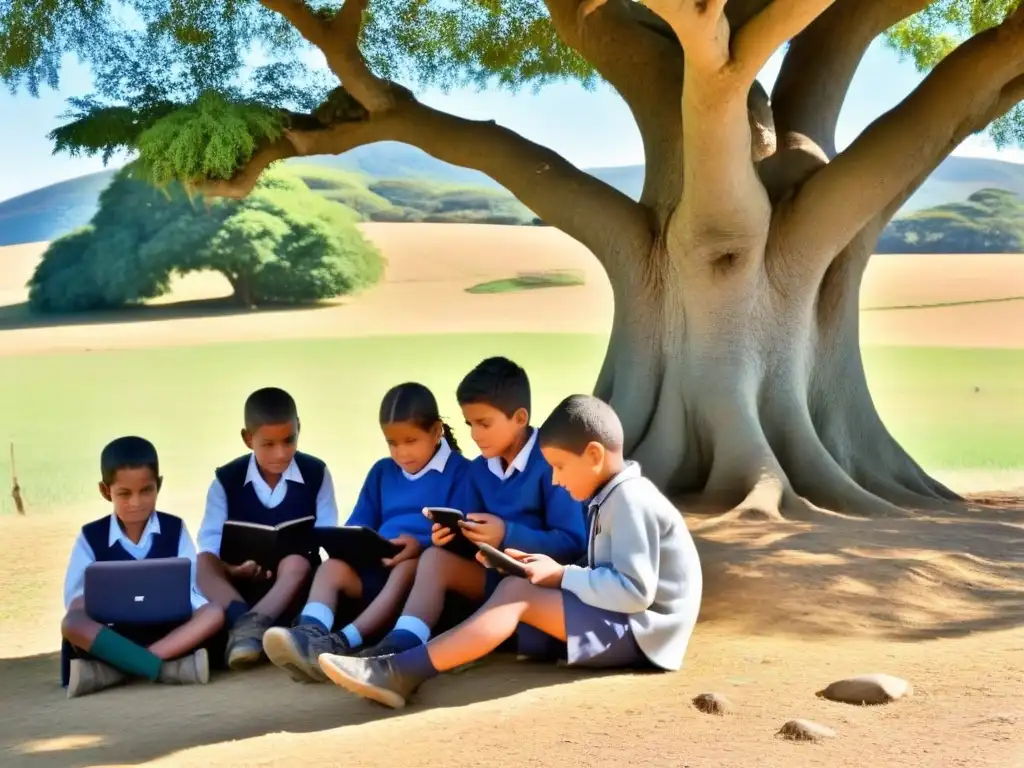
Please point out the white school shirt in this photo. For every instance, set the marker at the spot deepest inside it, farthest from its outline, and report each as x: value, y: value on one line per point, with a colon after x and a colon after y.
x: 211, y: 529
x: 518, y: 463
x: 82, y: 557
x: 437, y: 462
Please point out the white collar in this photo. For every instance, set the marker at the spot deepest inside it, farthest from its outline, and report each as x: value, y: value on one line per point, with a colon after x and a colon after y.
x: 253, y: 473
x: 116, y: 534
x: 437, y: 462
x: 518, y: 463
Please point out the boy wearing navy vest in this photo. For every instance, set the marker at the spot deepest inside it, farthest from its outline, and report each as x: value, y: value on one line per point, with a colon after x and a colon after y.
x: 272, y: 484
x: 632, y: 603
x: 99, y: 656
x: 509, y: 499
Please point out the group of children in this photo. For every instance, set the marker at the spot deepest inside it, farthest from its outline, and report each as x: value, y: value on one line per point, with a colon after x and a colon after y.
x: 612, y: 577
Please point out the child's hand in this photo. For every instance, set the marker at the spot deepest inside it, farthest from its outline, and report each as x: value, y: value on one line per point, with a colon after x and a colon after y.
x: 540, y: 569
x: 410, y: 549
x: 247, y: 570
x: 440, y: 535
x: 484, y: 529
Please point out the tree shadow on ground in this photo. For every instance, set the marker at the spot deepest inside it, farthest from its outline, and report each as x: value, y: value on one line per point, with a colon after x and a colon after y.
x: 921, y: 577
x: 137, y: 723
x: 19, y: 316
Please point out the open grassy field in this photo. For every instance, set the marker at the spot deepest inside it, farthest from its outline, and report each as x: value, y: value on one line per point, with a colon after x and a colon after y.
x: 788, y: 608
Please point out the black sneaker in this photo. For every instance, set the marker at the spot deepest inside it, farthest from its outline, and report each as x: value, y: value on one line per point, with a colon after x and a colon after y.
x: 296, y: 650
x: 376, y: 679
x: 245, y: 641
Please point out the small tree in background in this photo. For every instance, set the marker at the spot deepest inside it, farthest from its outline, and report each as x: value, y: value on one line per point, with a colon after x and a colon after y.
x: 282, y: 244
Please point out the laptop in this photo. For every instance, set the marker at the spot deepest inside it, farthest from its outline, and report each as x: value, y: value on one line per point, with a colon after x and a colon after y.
x: 137, y: 592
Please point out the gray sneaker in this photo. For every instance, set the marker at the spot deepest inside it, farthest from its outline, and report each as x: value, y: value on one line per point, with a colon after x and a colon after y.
x: 89, y: 676
x: 245, y: 641
x: 193, y: 669
x: 377, y: 679
x: 296, y: 650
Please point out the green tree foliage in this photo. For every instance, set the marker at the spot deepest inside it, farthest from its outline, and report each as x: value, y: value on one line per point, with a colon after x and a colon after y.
x: 281, y: 244
x: 990, y: 221
x: 176, y: 80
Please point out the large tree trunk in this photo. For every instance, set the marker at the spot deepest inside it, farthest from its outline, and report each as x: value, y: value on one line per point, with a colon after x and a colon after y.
x: 749, y: 390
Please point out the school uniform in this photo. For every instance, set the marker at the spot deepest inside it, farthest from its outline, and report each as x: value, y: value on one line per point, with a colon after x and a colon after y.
x: 540, y: 517
x: 635, y: 602
x: 103, y: 541
x: 391, y: 502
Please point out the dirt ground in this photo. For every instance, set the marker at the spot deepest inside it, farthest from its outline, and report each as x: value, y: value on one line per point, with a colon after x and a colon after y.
x: 788, y: 607
x: 432, y: 265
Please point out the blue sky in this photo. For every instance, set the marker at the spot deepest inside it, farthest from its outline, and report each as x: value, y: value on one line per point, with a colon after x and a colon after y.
x: 589, y: 128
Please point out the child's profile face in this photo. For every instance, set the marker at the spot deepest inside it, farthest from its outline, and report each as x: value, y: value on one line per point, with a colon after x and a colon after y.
x: 133, y: 493
x: 411, y: 446
x: 492, y: 431
x: 581, y: 475
x: 274, y: 445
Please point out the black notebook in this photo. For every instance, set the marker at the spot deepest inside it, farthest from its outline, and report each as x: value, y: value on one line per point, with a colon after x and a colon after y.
x: 356, y: 545
x: 267, y: 545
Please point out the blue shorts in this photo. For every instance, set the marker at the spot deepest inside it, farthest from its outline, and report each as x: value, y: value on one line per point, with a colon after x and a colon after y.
x: 595, y: 638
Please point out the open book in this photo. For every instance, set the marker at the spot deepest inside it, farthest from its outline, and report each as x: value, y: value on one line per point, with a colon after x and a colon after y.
x: 267, y: 545
x: 356, y: 545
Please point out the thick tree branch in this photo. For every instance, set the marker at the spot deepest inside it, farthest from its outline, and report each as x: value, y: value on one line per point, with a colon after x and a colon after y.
x: 840, y: 199
x: 596, y: 214
x: 820, y: 64
x: 338, y: 40
x: 755, y: 42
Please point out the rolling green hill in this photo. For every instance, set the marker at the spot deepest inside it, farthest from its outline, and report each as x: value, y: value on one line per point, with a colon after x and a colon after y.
x: 395, y: 182
x: 989, y: 221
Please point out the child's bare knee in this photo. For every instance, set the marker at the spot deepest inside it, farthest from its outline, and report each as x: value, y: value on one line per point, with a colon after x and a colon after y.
x: 295, y: 566
x: 77, y: 628
x: 336, y: 572
x: 434, y: 561
x: 405, y: 571
x: 512, y: 589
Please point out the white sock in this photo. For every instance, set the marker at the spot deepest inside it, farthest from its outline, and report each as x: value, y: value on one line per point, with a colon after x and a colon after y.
x: 415, y: 625
x: 352, y: 636
x: 321, y: 613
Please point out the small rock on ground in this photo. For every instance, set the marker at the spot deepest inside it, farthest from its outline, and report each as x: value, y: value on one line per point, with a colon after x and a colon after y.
x: 713, y: 704
x: 806, y: 730
x: 867, y: 689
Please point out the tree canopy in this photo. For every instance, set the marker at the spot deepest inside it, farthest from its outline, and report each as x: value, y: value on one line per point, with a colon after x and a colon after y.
x: 282, y: 244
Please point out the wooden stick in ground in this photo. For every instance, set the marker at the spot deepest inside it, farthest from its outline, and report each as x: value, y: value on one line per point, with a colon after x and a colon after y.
x: 15, y: 488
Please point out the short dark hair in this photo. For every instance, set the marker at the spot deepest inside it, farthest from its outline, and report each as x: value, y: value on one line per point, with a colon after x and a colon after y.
x: 269, y: 405
x: 415, y: 403
x: 127, y: 453
x: 580, y: 420
x: 497, y: 382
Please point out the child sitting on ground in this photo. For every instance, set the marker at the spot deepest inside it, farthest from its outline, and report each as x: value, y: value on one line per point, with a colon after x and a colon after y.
x: 272, y: 484
x: 509, y: 499
x: 425, y: 468
x: 107, y: 656
x: 634, y: 604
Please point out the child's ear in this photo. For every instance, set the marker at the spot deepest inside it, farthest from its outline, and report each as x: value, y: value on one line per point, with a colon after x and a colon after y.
x: 159, y: 484
x: 521, y: 417
x: 595, y: 454
x: 298, y: 425
x: 105, y: 491
x: 247, y: 439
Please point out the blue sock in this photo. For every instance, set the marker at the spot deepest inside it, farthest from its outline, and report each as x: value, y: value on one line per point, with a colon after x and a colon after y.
x: 415, y: 663
x: 415, y: 625
x: 352, y: 636
x: 235, y: 610
x: 402, y: 640
x: 318, y: 614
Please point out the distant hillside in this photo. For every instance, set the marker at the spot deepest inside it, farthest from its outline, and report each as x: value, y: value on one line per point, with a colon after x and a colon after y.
x: 386, y: 170
x: 989, y: 221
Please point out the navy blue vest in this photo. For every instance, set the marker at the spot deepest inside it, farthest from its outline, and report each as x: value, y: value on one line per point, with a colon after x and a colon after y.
x: 299, y: 500
x: 164, y: 544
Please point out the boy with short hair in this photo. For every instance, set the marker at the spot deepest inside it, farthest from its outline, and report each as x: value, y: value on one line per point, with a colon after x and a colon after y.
x: 509, y: 499
x: 272, y: 484
x: 103, y: 656
x: 634, y: 604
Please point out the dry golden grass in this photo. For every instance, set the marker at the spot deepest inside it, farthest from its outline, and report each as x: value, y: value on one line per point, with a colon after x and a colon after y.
x: 431, y: 265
